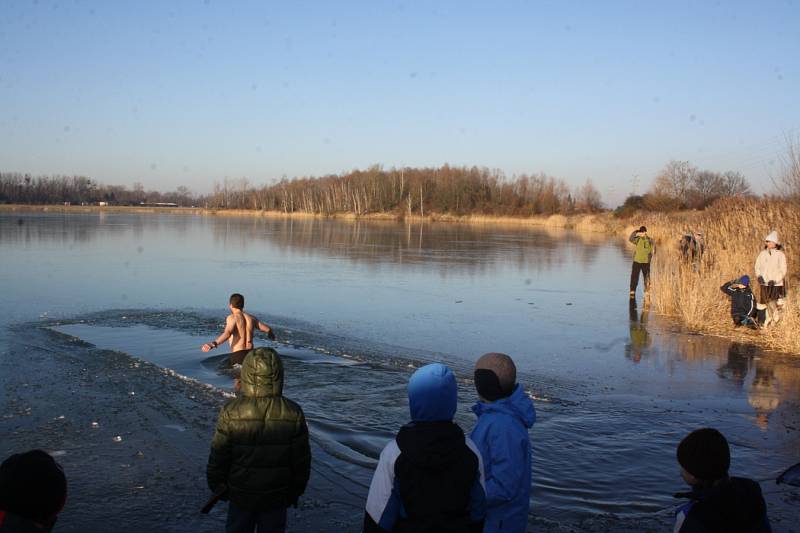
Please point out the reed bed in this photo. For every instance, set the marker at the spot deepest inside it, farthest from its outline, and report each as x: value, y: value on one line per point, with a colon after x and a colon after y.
x: 734, y: 232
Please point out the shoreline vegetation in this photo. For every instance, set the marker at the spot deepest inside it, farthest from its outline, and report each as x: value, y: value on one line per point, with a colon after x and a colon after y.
x: 734, y: 230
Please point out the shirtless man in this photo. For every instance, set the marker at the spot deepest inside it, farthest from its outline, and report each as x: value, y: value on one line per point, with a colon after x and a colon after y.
x: 239, y: 328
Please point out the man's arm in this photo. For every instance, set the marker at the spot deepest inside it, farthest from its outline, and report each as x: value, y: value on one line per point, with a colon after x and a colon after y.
x: 634, y: 237
x: 265, y: 328
x: 227, y: 332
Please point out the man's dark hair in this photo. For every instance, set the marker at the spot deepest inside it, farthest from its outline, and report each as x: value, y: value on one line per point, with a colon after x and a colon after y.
x: 33, y: 486
x: 237, y: 300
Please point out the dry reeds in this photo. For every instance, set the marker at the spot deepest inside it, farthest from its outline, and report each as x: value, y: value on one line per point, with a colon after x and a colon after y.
x: 734, y: 232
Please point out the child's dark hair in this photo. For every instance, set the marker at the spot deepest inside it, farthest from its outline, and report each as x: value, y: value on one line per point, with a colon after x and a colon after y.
x: 237, y: 300
x: 33, y: 486
x: 705, y: 454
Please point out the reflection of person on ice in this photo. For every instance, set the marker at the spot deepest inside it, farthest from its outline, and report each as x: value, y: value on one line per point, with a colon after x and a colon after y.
x: 771, y: 271
x: 640, y: 339
x: 645, y: 248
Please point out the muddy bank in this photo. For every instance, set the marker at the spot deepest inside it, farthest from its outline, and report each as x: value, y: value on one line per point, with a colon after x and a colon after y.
x: 153, y: 479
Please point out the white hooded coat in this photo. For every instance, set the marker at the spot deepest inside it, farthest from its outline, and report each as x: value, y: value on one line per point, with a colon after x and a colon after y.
x: 771, y: 263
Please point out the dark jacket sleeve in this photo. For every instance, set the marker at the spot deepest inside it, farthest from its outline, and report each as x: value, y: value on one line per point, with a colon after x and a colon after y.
x: 633, y: 238
x: 301, y: 459
x: 219, y: 460
x: 371, y: 527
x: 727, y: 287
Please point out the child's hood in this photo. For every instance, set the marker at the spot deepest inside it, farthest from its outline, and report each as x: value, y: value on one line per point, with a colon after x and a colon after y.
x: 518, y: 404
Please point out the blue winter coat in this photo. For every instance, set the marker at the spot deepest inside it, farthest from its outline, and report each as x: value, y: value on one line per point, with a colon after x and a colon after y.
x: 501, y: 435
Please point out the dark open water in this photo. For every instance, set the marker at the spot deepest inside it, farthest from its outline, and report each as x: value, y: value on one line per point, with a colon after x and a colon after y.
x: 358, y: 305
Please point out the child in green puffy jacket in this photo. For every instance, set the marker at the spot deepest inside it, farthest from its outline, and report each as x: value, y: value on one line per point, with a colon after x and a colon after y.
x: 260, y: 456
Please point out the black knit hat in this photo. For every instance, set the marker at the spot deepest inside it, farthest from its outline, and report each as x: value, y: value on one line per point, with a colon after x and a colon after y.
x: 643, y: 229
x: 705, y: 454
x: 33, y: 486
x: 495, y: 376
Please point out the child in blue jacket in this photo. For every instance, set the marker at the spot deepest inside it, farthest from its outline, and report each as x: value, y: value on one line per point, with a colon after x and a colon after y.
x: 505, y: 414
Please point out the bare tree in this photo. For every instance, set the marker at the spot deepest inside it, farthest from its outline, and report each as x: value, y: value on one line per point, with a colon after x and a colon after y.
x: 674, y: 181
x: 788, y: 183
x: 735, y: 184
x: 706, y: 187
x: 588, y: 198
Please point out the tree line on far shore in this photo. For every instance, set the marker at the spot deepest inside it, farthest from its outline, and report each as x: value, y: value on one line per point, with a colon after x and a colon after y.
x: 415, y: 191
x: 18, y: 188
x: 445, y: 189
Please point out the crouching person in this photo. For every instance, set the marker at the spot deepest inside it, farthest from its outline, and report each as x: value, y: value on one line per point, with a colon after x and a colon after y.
x: 505, y: 414
x: 717, y: 502
x: 743, y: 303
x: 260, y: 450
x: 430, y: 477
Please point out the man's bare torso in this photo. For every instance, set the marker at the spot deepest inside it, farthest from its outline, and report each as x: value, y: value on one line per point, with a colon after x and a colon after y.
x: 242, y: 325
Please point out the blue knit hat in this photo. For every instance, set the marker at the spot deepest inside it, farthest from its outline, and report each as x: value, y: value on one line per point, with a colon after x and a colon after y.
x: 745, y: 280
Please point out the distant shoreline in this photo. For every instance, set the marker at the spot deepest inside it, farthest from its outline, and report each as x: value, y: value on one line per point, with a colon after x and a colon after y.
x: 600, y: 222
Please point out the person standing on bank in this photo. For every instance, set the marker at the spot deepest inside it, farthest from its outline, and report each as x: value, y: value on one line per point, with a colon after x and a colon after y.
x: 645, y: 248
x: 260, y: 458
x: 771, y: 270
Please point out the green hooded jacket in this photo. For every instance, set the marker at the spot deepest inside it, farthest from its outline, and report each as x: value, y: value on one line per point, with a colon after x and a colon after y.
x: 260, y: 449
x: 645, y: 248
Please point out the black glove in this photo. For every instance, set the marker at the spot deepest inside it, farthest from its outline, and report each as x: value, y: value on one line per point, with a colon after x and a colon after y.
x: 761, y: 280
x: 271, y: 335
x: 771, y: 283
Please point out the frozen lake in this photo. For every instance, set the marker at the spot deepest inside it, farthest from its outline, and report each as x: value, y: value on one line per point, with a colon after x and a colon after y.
x: 358, y: 305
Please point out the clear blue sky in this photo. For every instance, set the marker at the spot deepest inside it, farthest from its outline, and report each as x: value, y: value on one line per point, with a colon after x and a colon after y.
x: 185, y: 93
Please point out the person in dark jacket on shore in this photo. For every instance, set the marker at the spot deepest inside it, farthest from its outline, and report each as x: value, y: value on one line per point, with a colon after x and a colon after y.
x: 429, y: 479
x: 645, y: 248
x: 260, y: 455
x: 33, y: 490
x: 505, y: 415
x: 743, y: 303
x: 718, y: 503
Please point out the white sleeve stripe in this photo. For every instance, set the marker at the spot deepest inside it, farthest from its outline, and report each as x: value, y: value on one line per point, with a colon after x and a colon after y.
x: 382, y: 484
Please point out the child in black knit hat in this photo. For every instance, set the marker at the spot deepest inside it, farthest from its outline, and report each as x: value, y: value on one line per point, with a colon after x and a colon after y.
x: 717, y: 502
x: 33, y: 490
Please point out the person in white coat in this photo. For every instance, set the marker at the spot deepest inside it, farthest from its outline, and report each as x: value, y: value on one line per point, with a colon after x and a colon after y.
x: 770, y: 271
